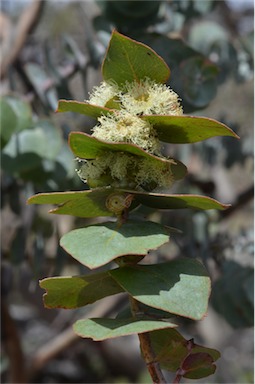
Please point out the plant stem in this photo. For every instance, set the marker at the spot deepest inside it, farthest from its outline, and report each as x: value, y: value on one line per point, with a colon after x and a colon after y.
x: 177, y: 379
x: 146, y: 349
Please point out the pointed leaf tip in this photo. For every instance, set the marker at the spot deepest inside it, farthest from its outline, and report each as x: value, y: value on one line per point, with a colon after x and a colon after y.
x: 129, y: 60
x: 188, y: 129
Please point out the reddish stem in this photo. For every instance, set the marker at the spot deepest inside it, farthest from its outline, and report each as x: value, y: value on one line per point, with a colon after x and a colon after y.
x: 147, y: 351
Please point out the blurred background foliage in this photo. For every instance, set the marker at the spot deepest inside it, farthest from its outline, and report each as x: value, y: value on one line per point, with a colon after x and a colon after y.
x: 53, y: 50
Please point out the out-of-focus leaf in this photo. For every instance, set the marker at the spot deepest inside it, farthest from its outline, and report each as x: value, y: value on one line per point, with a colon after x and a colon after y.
x: 25, y: 162
x: 181, y: 286
x: 65, y: 159
x: 173, y: 51
x: 85, y: 146
x: 131, y: 15
x: 43, y: 225
x: 231, y: 300
x: 99, y: 244
x: 187, y: 129
x: 44, y: 140
x: 53, y: 138
x: 16, y: 115
x: 23, y: 112
x: 199, y: 81
x: 248, y: 286
x: 26, y: 150
x: 193, y: 8
x: 8, y: 122
x: 18, y: 246
x: 102, y: 329
x: 77, y: 291
x: 129, y: 60
x: 204, y: 33
x: 226, y: 57
x: 39, y: 79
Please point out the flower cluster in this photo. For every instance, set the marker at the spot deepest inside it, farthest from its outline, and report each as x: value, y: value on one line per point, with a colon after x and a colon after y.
x: 124, y: 124
x: 145, y: 97
x: 124, y: 170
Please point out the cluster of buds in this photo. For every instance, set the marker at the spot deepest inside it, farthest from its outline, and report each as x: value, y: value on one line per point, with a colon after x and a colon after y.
x: 124, y: 124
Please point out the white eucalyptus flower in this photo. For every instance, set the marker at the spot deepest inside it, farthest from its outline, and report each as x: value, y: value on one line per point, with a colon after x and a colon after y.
x: 102, y: 94
x: 148, y: 97
x: 122, y: 126
x: 124, y: 170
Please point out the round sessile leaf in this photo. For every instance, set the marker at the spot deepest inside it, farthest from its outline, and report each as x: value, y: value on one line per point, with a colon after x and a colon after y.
x: 102, y: 329
x: 181, y: 287
x: 99, y: 244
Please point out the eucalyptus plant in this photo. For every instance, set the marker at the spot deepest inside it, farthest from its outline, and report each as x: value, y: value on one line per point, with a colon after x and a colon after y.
x: 124, y: 167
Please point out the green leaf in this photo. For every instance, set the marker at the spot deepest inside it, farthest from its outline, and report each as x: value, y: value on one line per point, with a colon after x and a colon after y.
x: 83, y: 108
x: 128, y: 60
x: 77, y: 291
x: 85, y: 146
x: 44, y: 140
x: 89, y: 203
x: 99, y: 244
x: 102, y: 329
x: 133, y: 14
x: 231, y: 300
x: 199, y: 80
x: 181, y: 286
x: 147, y: 313
x: 180, y: 201
x: 198, y: 365
x: 205, y: 33
x: 16, y: 115
x: 8, y: 122
x: 38, y: 77
x: 187, y: 129
x: 173, y: 351
x: 31, y: 152
x: 169, y: 347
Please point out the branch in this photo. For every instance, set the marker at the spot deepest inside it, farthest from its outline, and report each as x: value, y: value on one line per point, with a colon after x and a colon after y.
x: 146, y: 348
x: 26, y: 22
x: 12, y: 344
x: 241, y: 200
x: 53, y: 347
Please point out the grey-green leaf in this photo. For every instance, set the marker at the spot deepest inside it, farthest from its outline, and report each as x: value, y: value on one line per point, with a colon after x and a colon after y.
x: 102, y: 329
x: 99, y: 244
x: 181, y: 286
